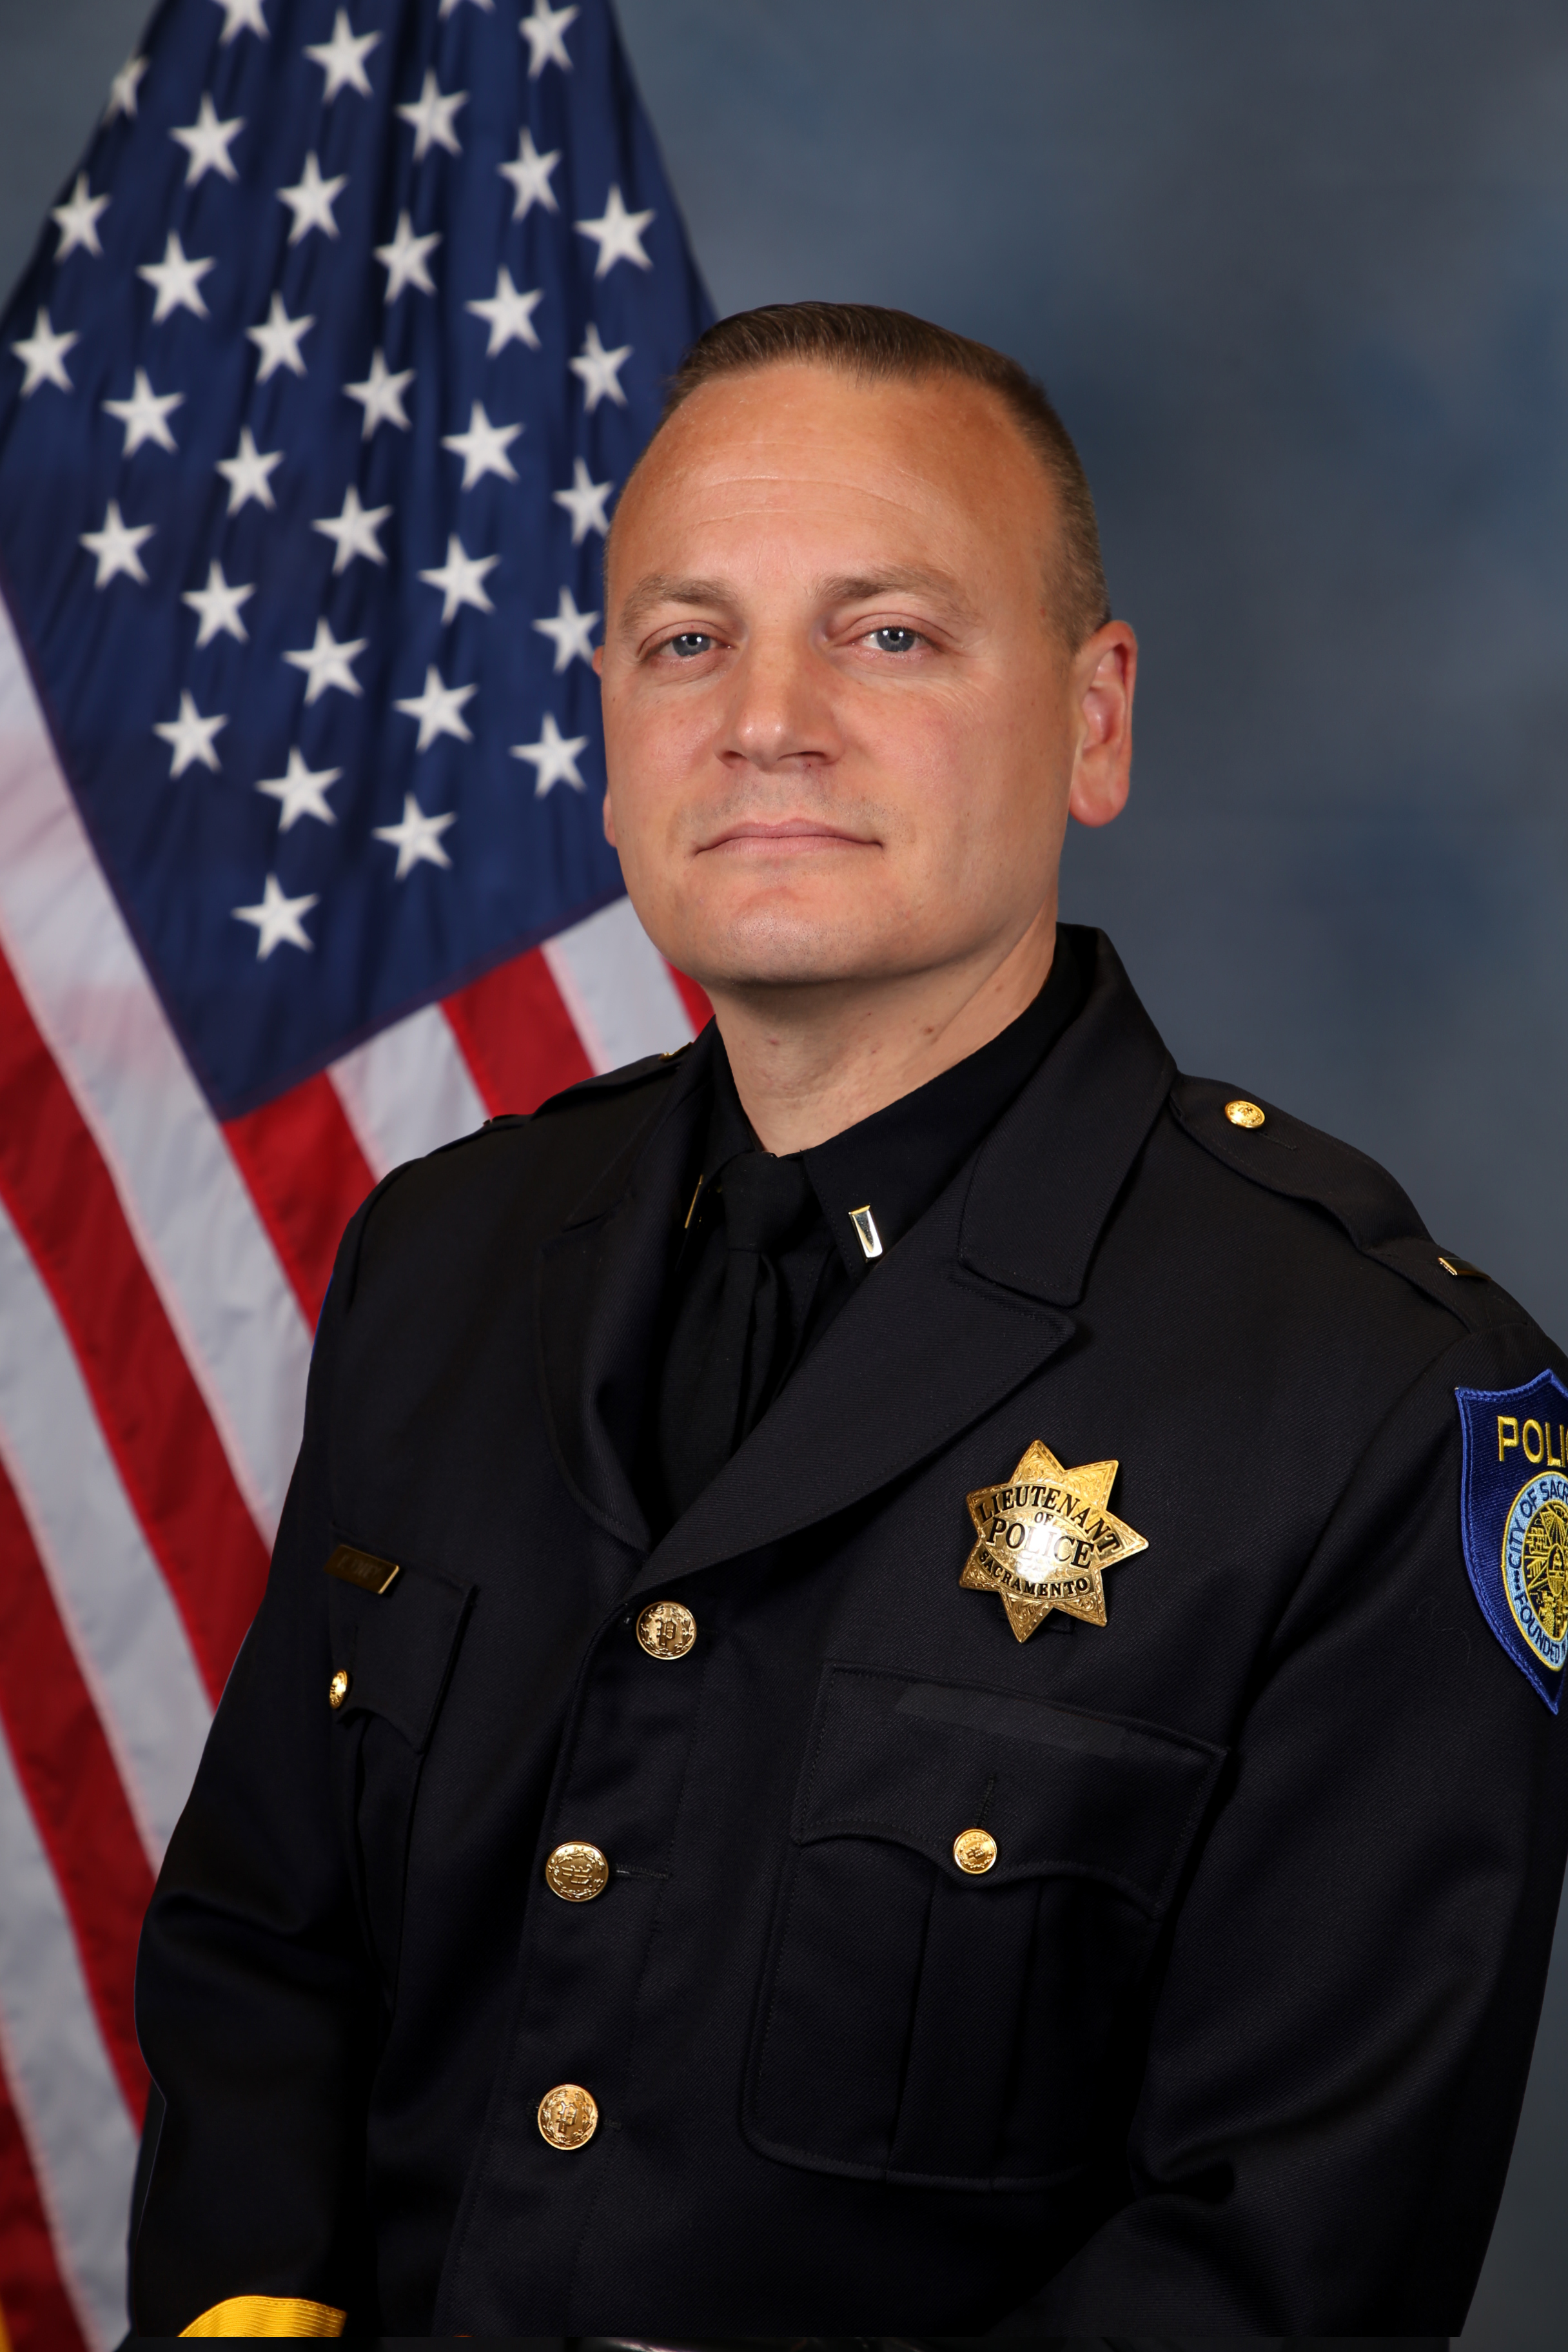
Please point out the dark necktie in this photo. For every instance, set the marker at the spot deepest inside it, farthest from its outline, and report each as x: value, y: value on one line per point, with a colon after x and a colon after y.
x: 739, y: 1327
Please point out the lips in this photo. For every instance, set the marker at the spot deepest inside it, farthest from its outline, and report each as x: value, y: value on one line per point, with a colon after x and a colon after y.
x: 792, y: 832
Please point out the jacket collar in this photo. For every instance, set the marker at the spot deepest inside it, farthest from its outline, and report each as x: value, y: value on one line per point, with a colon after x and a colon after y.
x: 971, y: 1301
x: 1048, y: 1176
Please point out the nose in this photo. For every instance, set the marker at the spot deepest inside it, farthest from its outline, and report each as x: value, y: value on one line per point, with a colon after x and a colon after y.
x: 780, y: 717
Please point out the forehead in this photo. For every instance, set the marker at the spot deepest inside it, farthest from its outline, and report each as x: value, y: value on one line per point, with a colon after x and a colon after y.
x: 807, y: 451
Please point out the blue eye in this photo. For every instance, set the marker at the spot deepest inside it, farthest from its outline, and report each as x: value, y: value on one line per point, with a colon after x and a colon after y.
x: 895, y: 641
x: 689, y: 645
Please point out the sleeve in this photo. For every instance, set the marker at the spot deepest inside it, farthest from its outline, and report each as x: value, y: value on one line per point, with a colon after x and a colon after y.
x: 1338, y: 2047
x: 257, y: 2006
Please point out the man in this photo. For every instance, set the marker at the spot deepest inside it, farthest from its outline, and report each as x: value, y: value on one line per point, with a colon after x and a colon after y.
x: 910, y: 1678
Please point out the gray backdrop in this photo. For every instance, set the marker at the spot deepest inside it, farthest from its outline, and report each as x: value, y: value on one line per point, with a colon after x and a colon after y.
x: 1296, y: 278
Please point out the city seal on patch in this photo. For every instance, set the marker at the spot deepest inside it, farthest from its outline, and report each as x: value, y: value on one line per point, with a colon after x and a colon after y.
x: 1514, y: 1521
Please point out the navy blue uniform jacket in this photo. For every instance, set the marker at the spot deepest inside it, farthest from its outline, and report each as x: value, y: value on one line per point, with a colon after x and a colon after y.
x: 1232, y: 2037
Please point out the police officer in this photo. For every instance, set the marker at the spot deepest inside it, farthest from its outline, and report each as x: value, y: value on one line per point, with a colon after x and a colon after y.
x: 910, y: 1679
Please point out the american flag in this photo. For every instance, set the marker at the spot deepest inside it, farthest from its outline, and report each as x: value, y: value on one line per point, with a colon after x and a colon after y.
x: 313, y: 406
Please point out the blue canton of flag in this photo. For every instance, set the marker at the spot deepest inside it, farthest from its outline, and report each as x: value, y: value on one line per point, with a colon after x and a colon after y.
x: 313, y: 408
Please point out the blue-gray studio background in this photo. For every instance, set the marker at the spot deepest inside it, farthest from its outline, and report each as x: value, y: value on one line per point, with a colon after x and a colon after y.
x: 1297, y: 280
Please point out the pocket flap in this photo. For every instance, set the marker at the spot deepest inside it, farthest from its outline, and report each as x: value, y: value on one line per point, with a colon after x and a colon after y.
x: 1060, y: 1789
x: 397, y: 1646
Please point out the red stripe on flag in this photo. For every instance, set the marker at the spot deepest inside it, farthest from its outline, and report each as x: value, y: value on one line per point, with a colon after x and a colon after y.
x: 516, y: 1035
x: 307, y: 1176
x: 73, y: 1790
x: 62, y: 1199
x: 699, y: 1012
x: 38, y: 2312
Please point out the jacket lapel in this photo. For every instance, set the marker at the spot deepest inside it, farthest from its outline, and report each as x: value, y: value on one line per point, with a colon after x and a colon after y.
x: 967, y: 1307
x: 598, y: 1285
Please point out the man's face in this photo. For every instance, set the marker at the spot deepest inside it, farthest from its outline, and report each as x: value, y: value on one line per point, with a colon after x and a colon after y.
x: 842, y: 729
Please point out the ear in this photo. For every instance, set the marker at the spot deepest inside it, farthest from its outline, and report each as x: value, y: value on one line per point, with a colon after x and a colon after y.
x: 610, y: 823
x: 1104, y: 673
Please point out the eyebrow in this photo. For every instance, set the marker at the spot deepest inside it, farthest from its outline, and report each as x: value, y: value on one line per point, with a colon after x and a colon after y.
x: 657, y: 588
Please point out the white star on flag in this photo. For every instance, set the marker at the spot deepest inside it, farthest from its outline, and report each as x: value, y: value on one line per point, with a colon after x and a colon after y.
x: 553, y: 757
x: 302, y: 792
x: 483, y: 447
x: 433, y: 117
x: 190, y: 737
x: 176, y: 280
x: 327, y: 661
x: 278, y: 340
x: 206, y: 142
x: 509, y: 314
x: 600, y: 370
x: 530, y: 177
x: 78, y: 220
x: 116, y: 547
x: 145, y: 415
x: 404, y: 259
x: 569, y: 632
x: 241, y: 16
x: 43, y: 355
x: 341, y: 58
x: 584, y: 502
x: 217, y: 607
x: 450, y: 7
x: 248, y: 472
x: 617, y: 234
x: 122, y: 89
x: 352, y: 533
x: 439, y: 710
x: 311, y: 200
x: 461, y: 579
x: 545, y: 33
x: 381, y: 395
x: 277, y: 919
x: 417, y: 839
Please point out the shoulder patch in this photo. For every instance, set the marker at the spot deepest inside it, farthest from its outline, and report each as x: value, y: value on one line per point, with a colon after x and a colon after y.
x: 1513, y: 1519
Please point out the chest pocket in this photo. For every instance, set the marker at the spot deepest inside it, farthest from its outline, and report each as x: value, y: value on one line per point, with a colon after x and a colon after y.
x: 928, y: 2027
x: 397, y: 1648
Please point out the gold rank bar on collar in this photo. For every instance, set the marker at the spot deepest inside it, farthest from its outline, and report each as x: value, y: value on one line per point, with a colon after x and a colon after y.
x: 364, y: 1569
x: 865, y: 1225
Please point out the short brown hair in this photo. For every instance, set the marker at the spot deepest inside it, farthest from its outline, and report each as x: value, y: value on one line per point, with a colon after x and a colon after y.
x: 875, y: 346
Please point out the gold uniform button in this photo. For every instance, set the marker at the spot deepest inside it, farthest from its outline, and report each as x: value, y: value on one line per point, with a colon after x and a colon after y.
x: 666, y: 1630
x: 975, y: 1851
x: 568, y: 2116
x: 338, y: 1689
x: 576, y: 1872
x: 1244, y: 1114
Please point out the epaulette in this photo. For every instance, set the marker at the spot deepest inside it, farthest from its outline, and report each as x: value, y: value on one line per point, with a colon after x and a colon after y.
x: 1283, y: 1154
x: 608, y: 1082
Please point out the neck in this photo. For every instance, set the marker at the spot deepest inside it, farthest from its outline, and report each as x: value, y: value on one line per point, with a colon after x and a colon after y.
x: 810, y: 1061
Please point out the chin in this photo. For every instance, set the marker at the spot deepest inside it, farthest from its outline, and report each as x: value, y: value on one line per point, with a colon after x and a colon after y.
x: 795, y: 950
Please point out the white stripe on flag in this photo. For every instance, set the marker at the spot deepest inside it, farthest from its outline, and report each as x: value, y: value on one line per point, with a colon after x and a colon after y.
x: 617, y: 989
x: 195, y: 1224
x: 115, y: 1607
x: 408, y: 1091
x: 79, y: 2134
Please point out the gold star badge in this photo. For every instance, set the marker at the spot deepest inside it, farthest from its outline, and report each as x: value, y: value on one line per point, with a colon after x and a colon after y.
x: 1045, y: 1539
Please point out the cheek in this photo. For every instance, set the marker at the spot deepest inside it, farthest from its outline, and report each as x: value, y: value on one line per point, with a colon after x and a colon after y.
x: 654, y: 742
